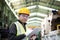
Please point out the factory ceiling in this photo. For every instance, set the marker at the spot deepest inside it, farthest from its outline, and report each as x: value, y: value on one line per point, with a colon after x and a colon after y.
x: 39, y: 7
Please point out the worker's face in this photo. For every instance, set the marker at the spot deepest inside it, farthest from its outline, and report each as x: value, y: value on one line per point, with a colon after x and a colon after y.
x: 23, y: 18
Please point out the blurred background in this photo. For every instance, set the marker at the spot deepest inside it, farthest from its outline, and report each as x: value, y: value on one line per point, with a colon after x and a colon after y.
x: 42, y: 13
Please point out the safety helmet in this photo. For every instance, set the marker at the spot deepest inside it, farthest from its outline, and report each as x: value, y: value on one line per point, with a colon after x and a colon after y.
x: 24, y: 11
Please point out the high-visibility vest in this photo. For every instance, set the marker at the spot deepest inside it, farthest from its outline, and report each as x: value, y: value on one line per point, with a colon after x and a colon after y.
x: 20, y: 29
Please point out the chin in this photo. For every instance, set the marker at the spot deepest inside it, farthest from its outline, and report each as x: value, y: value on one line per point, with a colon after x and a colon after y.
x: 24, y: 22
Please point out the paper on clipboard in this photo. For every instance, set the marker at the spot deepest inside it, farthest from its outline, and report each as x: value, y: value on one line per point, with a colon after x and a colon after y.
x: 35, y: 31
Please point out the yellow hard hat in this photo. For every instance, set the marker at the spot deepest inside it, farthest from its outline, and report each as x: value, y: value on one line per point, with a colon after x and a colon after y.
x: 24, y: 11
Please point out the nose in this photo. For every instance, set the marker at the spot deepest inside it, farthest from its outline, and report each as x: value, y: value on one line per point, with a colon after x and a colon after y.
x: 25, y: 17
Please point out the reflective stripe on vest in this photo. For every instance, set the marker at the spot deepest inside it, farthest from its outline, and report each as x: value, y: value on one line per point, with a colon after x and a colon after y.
x: 20, y: 29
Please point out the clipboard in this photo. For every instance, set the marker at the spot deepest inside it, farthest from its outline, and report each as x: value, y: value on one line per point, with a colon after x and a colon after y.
x: 34, y: 32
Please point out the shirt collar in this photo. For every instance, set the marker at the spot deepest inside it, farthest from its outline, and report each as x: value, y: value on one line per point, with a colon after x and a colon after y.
x: 21, y: 22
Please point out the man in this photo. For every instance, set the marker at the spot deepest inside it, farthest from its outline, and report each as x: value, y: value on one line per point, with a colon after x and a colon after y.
x: 18, y: 30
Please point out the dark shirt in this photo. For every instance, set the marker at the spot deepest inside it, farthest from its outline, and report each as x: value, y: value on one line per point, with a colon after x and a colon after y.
x: 13, y: 32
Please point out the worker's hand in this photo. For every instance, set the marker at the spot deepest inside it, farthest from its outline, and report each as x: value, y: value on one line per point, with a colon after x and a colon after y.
x: 29, y: 30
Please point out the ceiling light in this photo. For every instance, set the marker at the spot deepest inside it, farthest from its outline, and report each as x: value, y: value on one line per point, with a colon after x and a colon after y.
x: 57, y: 0
x: 35, y: 18
x: 46, y: 8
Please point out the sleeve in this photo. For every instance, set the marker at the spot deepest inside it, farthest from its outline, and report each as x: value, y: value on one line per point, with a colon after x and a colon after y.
x: 12, y: 33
